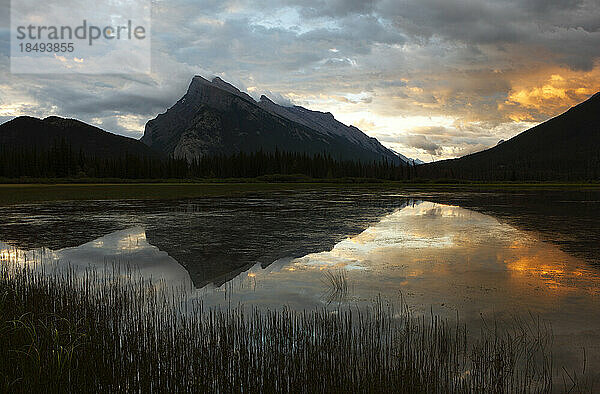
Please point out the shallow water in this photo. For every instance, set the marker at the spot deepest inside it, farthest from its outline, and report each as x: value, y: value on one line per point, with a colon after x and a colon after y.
x: 411, y: 249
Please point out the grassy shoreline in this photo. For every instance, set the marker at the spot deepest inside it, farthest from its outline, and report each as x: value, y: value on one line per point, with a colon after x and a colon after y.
x: 29, y: 193
x: 15, y: 193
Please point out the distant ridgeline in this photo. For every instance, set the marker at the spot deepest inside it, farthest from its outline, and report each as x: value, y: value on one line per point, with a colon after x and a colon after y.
x: 564, y: 148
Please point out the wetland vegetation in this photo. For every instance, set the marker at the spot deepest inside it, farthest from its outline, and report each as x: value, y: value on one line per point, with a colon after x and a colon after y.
x: 63, y: 332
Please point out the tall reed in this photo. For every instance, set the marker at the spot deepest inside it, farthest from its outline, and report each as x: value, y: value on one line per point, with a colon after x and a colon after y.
x: 116, y: 332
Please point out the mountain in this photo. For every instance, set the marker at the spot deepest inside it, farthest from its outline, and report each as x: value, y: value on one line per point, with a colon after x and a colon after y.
x: 42, y: 134
x: 217, y: 118
x: 566, y: 147
x: 326, y: 124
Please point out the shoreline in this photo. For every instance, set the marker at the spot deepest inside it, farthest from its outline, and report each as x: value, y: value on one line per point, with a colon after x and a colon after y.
x: 19, y: 193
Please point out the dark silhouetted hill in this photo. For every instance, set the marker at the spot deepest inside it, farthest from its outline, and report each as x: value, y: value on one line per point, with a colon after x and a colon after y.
x: 566, y: 147
x: 30, y: 133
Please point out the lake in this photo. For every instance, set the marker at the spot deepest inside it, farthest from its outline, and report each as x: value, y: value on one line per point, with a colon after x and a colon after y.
x: 485, y: 257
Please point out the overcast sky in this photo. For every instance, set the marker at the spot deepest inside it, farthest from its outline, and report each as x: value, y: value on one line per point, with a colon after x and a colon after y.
x: 430, y: 78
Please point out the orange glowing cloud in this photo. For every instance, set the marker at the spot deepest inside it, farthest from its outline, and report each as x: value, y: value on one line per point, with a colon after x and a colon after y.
x: 549, y: 92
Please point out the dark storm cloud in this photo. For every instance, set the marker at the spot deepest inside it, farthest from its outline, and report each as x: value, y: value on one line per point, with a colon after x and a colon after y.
x: 5, y: 13
x: 568, y: 29
x: 335, y: 8
x: 357, y: 32
x: 90, y: 104
x: 417, y: 141
x: 96, y: 98
x: 4, y: 28
x: 545, y: 6
x: 423, y: 143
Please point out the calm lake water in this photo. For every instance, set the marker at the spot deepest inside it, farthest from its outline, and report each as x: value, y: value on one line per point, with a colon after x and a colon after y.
x: 482, y: 256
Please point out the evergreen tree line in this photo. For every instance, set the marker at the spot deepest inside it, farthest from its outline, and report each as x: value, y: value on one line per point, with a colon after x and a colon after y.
x: 525, y: 169
x: 62, y: 161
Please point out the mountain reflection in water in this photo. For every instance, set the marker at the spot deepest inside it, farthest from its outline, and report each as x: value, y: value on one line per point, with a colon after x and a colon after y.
x: 429, y: 256
x: 126, y: 251
x: 213, y: 238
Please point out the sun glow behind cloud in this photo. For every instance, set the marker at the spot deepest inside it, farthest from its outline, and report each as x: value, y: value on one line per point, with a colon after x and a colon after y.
x: 550, y: 93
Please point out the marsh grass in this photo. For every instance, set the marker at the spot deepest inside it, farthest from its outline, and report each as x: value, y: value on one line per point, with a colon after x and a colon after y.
x: 116, y: 332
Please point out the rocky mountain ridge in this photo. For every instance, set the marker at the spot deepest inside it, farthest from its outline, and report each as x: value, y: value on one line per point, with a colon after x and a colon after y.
x: 214, y: 117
